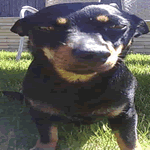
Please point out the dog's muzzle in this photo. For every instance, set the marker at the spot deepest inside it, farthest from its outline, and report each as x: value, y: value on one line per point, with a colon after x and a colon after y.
x: 89, y: 48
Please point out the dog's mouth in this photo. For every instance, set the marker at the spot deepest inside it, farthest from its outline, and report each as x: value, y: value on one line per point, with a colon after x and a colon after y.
x: 81, y: 71
x: 103, y: 65
x: 69, y: 68
x: 81, y: 68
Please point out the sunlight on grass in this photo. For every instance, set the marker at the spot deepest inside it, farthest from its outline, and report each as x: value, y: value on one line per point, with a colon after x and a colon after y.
x: 139, y: 64
x: 102, y: 138
x: 8, y: 60
x: 12, y: 71
x: 94, y: 137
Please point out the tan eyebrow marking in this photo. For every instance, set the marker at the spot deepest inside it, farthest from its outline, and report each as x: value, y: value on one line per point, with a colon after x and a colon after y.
x: 102, y: 18
x: 61, y: 20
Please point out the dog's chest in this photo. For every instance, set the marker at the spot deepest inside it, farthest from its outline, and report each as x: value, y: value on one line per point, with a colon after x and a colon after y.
x: 75, y: 100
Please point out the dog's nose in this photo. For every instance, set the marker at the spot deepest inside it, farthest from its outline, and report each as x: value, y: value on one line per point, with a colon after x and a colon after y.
x: 100, y: 56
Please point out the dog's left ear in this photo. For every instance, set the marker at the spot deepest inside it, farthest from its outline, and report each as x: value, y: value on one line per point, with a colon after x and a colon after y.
x: 20, y: 27
x: 141, y: 26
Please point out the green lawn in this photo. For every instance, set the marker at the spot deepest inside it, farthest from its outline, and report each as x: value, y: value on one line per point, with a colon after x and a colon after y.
x: 17, y: 132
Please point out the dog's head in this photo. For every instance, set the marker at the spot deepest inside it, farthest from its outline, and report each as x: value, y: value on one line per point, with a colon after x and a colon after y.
x: 80, y: 39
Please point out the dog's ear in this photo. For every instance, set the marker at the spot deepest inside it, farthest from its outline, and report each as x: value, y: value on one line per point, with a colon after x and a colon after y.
x: 141, y: 26
x: 20, y: 28
x: 114, y: 5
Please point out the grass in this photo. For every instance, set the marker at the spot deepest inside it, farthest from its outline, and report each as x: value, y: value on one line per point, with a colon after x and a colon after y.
x: 19, y: 133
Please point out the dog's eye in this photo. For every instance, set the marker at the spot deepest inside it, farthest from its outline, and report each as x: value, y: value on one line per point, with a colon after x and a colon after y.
x: 47, y: 28
x: 117, y: 26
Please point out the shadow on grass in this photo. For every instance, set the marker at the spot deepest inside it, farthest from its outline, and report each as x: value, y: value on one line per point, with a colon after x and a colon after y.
x: 17, y: 131
x: 16, y: 128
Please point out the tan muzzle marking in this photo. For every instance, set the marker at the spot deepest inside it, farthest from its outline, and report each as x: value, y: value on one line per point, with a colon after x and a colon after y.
x: 74, y: 77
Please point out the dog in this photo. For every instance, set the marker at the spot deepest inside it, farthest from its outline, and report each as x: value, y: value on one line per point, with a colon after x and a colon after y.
x: 78, y: 74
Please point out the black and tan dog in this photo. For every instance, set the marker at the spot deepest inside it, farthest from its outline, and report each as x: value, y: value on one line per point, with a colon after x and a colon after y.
x: 77, y: 74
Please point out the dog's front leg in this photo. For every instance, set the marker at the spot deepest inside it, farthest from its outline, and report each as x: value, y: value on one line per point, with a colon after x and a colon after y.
x: 125, y: 129
x: 48, y: 132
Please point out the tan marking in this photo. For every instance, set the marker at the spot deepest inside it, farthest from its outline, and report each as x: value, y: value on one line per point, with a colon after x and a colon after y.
x: 60, y: 58
x: 61, y: 20
x: 109, y: 64
x: 121, y: 143
x: 51, y: 28
x: 119, y: 49
x: 52, y: 144
x: 112, y: 59
x: 117, y: 111
x: 110, y: 112
x: 63, y: 57
x: 54, y: 134
x: 102, y: 18
x: 47, y: 28
x: 48, y: 53
x: 73, y: 77
x: 44, y: 107
x: 123, y: 146
x: 49, y: 110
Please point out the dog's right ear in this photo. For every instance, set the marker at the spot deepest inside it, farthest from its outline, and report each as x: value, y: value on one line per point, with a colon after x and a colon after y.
x: 20, y: 27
